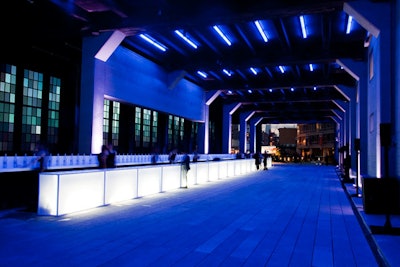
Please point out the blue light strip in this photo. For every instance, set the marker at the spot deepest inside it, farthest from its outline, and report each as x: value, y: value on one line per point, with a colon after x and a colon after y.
x: 254, y: 71
x: 349, y: 21
x: 153, y: 42
x: 223, y: 36
x: 227, y: 72
x: 303, y: 27
x: 186, y: 39
x: 261, y: 30
x: 202, y: 74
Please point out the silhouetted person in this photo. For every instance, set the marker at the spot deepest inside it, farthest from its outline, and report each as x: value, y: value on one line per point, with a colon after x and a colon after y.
x: 265, y: 156
x: 42, y: 156
x: 185, y: 165
x: 256, y: 157
x: 110, y: 160
x: 102, y: 157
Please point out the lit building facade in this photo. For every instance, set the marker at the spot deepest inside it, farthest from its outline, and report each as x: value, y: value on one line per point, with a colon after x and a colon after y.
x: 316, y: 141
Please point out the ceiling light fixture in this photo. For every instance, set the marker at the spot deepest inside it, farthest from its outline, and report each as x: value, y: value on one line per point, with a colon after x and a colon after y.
x: 311, y: 67
x: 281, y: 69
x: 254, y: 71
x: 223, y: 36
x: 349, y: 21
x: 227, y: 72
x: 202, y: 74
x: 303, y: 27
x: 270, y: 90
x: 261, y: 30
x: 153, y: 42
x: 186, y: 39
x: 250, y: 91
x: 292, y: 89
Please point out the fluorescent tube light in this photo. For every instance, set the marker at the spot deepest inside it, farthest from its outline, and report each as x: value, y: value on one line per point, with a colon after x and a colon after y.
x: 202, y: 74
x: 303, y: 27
x: 223, y: 36
x: 153, y: 42
x: 227, y: 72
x: 349, y: 21
x: 282, y: 69
x: 261, y: 30
x: 254, y: 71
x: 186, y: 39
x: 311, y: 67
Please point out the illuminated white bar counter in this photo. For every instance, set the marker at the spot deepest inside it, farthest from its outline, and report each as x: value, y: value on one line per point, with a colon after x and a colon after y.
x: 66, y: 192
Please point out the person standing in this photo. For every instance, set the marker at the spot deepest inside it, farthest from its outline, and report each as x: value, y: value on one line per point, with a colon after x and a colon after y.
x: 102, y: 157
x: 185, y: 167
x: 256, y: 157
x: 42, y: 156
x: 265, y: 156
x: 110, y: 161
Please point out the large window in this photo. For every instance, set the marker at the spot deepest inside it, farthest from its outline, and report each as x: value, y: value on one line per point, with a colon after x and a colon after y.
x: 154, y: 134
x: 146, y: 127
x: 7, y: 106
x: 115, y: 123
x: 138, y: 125
x: 111, y: 122
x: 31, y: 109
x: 53, y: 120
x: 106, y: 120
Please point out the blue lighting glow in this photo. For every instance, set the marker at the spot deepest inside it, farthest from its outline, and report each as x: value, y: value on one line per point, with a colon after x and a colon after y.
x: 315, y: 88
x: 292, y: 89
x: 311, y: 67
x: 223, y: 36
x: 261, y: 30
x: 303, y: 27
x: 281, y: 69
x: 229, y: 92
x: 349, y: 22
x: 202, y: 74
x: 270, y: 90
x: 153, y: 42
x: 250, y: 91
x: 186, y: 39
x: 227, y: 72
x: 254, y: 71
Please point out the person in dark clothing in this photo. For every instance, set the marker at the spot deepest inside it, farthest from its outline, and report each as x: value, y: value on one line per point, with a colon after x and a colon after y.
x: 185, y: 166
x: 265, y: 156
x: 42, y: 155
x: 110, y: 161
x: 256, y: 157
x: 102, y: 157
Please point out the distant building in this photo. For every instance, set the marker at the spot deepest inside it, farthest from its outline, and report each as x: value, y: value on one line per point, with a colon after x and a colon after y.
x: 287, y: 143
x: 316, y: 141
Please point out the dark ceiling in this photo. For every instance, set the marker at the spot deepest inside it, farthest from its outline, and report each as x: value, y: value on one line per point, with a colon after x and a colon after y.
x: 294, y: 94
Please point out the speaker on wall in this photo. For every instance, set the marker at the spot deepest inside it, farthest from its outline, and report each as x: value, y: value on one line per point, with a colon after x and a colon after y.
x: 357, y: 144
x: 385, y: 134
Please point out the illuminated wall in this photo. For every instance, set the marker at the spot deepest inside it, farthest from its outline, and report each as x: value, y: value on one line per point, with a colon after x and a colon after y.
x: 128, y: 77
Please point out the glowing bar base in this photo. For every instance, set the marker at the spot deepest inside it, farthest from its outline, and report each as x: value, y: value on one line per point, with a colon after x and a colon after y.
x: 66, y: 192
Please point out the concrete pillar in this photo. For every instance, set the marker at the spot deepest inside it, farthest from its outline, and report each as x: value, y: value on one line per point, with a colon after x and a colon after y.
x: 244, y: 118
x: 227, y: 111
